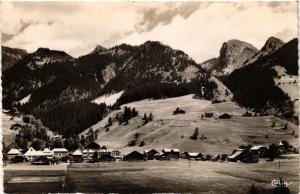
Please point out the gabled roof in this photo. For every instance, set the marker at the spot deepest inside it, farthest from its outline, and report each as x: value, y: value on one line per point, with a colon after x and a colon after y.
x: 32, y: 152
x: 153, y: 150
x: 167, y: 150
x: 60, y: 150
x: 257, y: 147
x: 77, y: 153
x: 47, y: 151
x: 135, y: 152
x: 237, y: 153
x: 14, y: 152
x: 193, y: 154
x: 93, y: 144
x: 90, y: 151
x: 175, y: 150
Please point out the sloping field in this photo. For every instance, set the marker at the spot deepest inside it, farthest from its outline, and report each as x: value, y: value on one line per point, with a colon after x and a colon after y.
x: 174, y: 131
x: 8, y: 134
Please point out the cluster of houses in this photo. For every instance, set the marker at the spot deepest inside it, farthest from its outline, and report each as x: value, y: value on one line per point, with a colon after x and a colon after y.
x: 93, y: 152
x: 62, y: 154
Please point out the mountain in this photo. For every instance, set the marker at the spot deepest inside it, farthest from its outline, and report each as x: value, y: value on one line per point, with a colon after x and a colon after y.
x: 150, y: 70
x: 271, y: 45
x: 10, y: 56
x: 256, y: 85
x: 33, y: 72
x: 47, y: 82
x: 233, y: 54
x: 153, y: 61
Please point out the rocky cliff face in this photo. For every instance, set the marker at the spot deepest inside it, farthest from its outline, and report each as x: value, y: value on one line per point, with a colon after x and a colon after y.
x: 233, y: 55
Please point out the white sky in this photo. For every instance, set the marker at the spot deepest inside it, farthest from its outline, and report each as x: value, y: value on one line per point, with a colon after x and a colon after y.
x: 199, y: 29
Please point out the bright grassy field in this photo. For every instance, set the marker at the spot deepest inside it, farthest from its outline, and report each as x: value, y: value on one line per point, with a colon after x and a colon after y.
x: 152, y: 176
x: 174, y: 131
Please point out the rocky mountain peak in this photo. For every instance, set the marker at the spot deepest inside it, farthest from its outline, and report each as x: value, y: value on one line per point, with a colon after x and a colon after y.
x: 99, y: 49
x: 272, y: 44
x: 233, y: 47
x: 233, y: 54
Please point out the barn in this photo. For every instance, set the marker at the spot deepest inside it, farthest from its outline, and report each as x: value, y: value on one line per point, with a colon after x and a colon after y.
x: 259, y: 150
x: 106, y: 158
x: 93, y: 146
x: 134, y: 156
x: 169, y: 154
x: 225, y: 116
x: 237, y: 155
x: 151, y: 154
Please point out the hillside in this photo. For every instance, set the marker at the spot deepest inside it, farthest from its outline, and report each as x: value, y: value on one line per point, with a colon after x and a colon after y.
x: 173, y: 131
x: 33, y: 72
x: 10, y: 56
x: 7, y: 133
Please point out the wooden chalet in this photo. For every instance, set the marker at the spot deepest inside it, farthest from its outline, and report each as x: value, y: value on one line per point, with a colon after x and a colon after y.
x: 12, y: 153
x: 225, y: 116
x: 134, y: 156
x: 77, y: 156
x: 168, y: 154
x: 60, y: 152
x: 236, y: 155
x: 106, y: 158
x: 259, y: 150
x: 93, y: 146
x: 151, y: 154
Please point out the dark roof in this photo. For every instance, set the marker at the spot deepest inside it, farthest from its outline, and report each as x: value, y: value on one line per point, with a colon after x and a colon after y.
x: 225, y: 116
x: 92, y: 145
x: 135, y: 155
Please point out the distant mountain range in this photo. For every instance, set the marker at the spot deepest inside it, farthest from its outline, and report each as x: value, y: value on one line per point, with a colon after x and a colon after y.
x: 48, y: 79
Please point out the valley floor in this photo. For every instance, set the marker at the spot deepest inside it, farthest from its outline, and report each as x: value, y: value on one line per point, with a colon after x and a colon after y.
x: 152, y: 176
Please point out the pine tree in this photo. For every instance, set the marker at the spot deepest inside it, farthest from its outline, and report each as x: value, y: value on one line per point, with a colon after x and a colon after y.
x: 195, y: 134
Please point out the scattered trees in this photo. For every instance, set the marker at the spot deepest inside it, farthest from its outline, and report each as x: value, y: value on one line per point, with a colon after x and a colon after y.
x: 126, y: 115
x: 147, y: 119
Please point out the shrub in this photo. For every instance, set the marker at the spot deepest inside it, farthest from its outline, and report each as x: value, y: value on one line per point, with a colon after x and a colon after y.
x: 142, y: 143
x: 28, y: 119
x: 195, y: 134
x: 267, y: 136
x: 178, y: 111
x: 132, y: 143
x: 253, y: 190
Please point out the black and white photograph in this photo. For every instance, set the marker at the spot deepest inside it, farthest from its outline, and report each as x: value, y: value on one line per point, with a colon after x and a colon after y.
x: 150, y: 97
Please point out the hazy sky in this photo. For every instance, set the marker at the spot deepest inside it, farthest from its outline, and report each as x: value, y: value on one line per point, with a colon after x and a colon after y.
x: 197, y: 28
